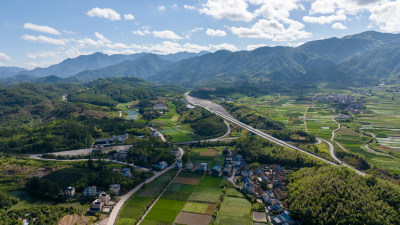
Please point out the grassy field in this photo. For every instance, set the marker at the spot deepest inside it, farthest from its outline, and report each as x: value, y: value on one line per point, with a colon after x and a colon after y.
x: 168, y: 125
x: 138, y: 203
x: 234, y: 210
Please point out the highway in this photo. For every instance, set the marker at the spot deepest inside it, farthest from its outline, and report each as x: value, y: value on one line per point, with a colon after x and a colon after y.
x: 220, y: 111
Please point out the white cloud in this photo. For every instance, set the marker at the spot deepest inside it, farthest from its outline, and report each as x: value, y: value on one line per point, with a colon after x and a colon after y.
x: 252, y: 47
x: 339, y: 16
x: 167, y: 34
x: 218, y: 33
x: 117, y: 46
x: 44, y: 29
x: 386, y: 16
x: 225, y: 46
x: 89, y: 42
x: 235, y: 10
x: 4, y: 57
x: 161, y: 8
x: 274, y: 30
x: 174, y: 6
x: 101, y: 37
x: 44, y: 39
x: 189, y: 7
x: 138, y: 32
x: 129, y: 17
x: 339, y: 26
x: 195, y: 47
x: 104, y: 13
x: 123, y: 52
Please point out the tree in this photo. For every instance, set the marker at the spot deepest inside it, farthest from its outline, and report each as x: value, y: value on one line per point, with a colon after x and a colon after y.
x: 254, y: 165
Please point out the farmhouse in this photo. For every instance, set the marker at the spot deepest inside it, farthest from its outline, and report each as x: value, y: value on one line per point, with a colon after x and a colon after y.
x: 89, y: 191
x: 126, y: 172
x: 96, y: 205
x: 159, y: 106
x: 104, y: 198
x: 69, y: 192
x: 115, y: 188
x: 161, y: 165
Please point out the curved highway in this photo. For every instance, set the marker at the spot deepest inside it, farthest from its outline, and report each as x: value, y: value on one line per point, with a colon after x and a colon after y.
x: 220, y: 111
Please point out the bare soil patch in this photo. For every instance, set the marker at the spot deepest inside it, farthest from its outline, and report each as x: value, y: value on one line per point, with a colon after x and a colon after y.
x: 259, y: 217
x: 209, y: 152
x: 192, y: 219
x: 74, y: 219
x: 210, y: 209
x: 187, y: 180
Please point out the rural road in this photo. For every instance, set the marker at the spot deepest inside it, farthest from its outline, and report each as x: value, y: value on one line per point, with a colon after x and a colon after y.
x: 220, y: 111
x: 114, y: 213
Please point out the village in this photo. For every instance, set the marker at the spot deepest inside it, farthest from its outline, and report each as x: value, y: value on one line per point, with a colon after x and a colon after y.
x: 351, y: 105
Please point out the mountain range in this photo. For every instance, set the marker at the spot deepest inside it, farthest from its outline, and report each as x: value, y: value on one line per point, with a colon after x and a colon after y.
x: 367, y: 58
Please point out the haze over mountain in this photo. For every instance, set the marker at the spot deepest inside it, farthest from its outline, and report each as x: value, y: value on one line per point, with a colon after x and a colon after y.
x: 9, y: 71
x: 71, y: 67
x: 142, y: 67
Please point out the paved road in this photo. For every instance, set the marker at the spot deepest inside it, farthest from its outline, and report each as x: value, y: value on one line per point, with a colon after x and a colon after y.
x: 220, y: 111
x: 209, y: 140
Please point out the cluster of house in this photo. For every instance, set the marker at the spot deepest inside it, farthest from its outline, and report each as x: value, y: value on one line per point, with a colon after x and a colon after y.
x: 126, y: 172
x: 197, y: 167
x: 113, y: 139
x: 154, y: 132
x: 159, y: 106
x: 103, y: 203
x: 352, y: 105
x: 274, y: 199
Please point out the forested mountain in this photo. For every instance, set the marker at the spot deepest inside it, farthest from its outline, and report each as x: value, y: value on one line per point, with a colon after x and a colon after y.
x: 141, y: 67
x: 9, y: 71
x: 332, y: 61
x: 70, y: 67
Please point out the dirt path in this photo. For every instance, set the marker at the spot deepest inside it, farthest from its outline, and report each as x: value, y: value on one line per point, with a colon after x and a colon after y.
x: 304, y: 119
x: 148, y: 209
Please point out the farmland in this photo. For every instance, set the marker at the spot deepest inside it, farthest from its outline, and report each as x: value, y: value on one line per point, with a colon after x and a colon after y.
x: 212, y: 156
x: 138, y: 203
x: 184, y: 203
x: 168, y: 125
x: 235, y: 209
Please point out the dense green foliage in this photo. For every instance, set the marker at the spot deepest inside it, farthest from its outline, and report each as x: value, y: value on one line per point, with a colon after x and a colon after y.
x: 148, y: 152
x: 37, y: 215
x: 249, y: 116
x: 111, y: 91
x: 204, y: 123
x: 44, y: 188
x: 6, y: 201
x: 356, y: 160
x: 329, y: 195
x: 257, y: 149
x: 65, y: 134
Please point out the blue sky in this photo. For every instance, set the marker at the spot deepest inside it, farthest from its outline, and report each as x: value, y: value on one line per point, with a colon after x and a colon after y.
x: 44, y: 32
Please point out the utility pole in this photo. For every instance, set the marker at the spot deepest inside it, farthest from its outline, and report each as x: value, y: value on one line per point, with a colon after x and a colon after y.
x: 86, y: 142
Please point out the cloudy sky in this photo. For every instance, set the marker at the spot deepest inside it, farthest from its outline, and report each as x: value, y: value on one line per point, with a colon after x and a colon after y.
x: 44, y: 32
